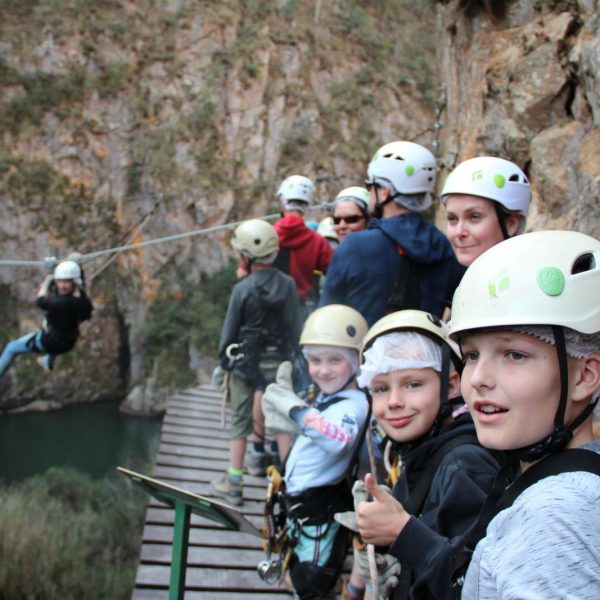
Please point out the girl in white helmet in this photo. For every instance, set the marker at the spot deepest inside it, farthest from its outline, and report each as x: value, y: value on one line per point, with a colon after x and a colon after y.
x: 527, y: 317
x: 66, y: 305
x: 487, y: 200
x: 329, y: 432
x: 350, y: 211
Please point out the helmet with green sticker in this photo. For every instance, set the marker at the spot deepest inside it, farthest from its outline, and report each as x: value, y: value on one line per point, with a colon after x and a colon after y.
x: 356, y: 194
x: 540, y: 278
x: 492, y: 178
x: 296, y: 191
x: 408, y: 167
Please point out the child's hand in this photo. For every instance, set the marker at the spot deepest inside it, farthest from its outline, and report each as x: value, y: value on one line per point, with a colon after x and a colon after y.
x: 382, y: 520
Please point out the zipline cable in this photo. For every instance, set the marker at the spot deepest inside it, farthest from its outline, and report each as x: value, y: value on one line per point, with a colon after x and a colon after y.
x: 168, y: 238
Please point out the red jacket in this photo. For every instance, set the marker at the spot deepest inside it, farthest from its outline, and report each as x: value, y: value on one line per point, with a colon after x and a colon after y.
x: 308, y: 252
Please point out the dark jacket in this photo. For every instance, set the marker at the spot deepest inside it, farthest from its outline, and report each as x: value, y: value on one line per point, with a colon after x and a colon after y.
x: 430, y: 541
x: 303, y: 251
x: 366, y: 264
x: 64, y: 313
x: 263, y: 310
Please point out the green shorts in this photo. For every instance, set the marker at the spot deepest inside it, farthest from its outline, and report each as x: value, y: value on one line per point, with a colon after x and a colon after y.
x: 241, y: 396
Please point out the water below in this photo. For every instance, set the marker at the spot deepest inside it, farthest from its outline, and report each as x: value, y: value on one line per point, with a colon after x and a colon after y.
x: 93, y: 438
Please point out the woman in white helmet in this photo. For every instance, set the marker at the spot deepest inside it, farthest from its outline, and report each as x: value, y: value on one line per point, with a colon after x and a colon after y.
x: 486, y: 200
x: 527, y: 317
x: 350, y: 211
x: 66, y: 304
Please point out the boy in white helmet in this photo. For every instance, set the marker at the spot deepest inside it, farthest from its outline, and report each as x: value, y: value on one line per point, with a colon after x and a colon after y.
x: 260, y: 331
x: 527, y: 317
x: 486, y: 200
x: 66, y: 305
x: 401, y: 261
x: 440, y: 473
x: 329, y: 433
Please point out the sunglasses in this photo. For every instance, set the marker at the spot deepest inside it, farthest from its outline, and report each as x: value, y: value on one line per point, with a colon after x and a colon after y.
x: 349, y: 219
x: 369, y: 183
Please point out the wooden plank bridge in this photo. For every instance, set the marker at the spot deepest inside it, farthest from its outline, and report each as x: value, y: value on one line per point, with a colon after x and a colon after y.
x: 194, y: 450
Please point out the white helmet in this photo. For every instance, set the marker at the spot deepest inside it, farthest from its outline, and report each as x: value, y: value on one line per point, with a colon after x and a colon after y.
x: 326, y: 229
x: 68, y: 269
x: 358, y: 195
x: 408, y: 167
x: 540, y: 278
x: 255, y: 238
x: 295, y: 189
x: 494, y: 179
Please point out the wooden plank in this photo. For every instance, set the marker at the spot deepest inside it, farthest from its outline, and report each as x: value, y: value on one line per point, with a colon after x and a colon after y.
x: 158, y: 594
x: 200, y: 578
x: 194, y: 450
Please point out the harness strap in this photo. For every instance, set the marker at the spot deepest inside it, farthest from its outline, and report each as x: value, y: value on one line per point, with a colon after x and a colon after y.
x: 406, y: 292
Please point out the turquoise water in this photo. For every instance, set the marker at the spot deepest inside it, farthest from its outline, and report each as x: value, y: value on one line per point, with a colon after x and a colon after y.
x: 93, y: 438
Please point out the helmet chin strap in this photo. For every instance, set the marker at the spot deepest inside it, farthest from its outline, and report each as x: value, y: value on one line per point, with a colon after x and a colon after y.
x: 378, y: 209
x: 562, y: 434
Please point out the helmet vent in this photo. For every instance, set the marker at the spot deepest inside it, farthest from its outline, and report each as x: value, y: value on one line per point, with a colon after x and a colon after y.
x: 585, y: 262
x: 516, y: 177
x: 351, y: 330
x: 257, y: 241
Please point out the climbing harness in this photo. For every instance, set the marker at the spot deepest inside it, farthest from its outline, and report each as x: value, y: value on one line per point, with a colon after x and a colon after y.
x: 276, y: 540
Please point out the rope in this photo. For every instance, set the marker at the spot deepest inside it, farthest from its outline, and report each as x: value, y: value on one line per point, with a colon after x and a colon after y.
x: 169, y: 238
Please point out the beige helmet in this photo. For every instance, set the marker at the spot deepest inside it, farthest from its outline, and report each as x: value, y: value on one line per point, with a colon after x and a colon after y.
x: 255, y: 238
x: 335, y: 325
x: 540, y: 278
x: 417, y: 321
x: 326, y: 229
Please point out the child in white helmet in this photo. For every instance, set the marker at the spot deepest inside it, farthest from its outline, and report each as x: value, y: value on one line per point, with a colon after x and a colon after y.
x: 441, y: 474
x: 487, y: 200
x: 66, y: 306
x: 260, y: 331
x: 527, y: 317
x: 329, y: 433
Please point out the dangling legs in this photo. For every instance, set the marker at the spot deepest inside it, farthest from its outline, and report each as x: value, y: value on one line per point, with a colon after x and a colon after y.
x: 26, y: 344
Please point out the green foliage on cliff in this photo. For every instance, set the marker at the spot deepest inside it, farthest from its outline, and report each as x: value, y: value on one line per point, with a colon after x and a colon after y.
x: 63, y: 535
x: 183, y: 316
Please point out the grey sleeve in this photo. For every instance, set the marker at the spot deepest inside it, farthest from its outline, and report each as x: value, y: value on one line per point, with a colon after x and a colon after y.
x: 231, y: 325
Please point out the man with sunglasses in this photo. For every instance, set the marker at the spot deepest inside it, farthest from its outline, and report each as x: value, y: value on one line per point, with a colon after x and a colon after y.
x: 401, y: 261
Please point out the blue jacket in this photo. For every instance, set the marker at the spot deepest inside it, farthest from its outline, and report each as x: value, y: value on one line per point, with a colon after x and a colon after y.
x: 365, y: 266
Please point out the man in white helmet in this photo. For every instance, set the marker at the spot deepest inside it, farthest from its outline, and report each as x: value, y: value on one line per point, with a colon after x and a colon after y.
x: 66, y: 304
x: 401, y: 261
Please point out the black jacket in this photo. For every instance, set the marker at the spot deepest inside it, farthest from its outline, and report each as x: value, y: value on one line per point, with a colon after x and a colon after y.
x: 64, y: 313
x: 262, y: 307
x: 430, y: 541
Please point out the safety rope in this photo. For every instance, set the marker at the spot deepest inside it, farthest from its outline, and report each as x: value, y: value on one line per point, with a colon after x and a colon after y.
x: 49, y: 261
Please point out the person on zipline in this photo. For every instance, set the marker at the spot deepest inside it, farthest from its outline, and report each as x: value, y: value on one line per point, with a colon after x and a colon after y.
x: 66, y: 304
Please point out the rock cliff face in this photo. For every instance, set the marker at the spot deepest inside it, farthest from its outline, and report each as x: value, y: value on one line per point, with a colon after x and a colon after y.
x: 522, y: 81
x: 124, y: 121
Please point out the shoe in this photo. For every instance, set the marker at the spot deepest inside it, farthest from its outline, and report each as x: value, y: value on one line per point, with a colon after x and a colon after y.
x: 43, y: 362
x: 256, y: 463
x: 228, y: 490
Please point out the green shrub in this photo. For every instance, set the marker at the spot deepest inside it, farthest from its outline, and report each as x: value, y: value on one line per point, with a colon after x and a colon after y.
x: 178, y: 318
x: 64, y: 535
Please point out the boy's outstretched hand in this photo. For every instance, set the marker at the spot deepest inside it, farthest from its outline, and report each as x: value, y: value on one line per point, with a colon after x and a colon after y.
x: 381, y: 520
